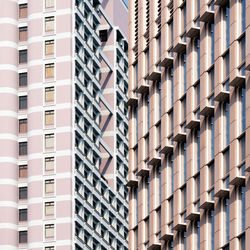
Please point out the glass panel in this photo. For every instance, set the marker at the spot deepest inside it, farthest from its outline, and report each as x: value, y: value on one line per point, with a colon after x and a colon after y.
x: 22, y: 79
x: 23, y: 173
x: 49, y: 94
x: 49, y: 24
x: 211, y: 229
x: 49, y: 4
x: 49, y: 47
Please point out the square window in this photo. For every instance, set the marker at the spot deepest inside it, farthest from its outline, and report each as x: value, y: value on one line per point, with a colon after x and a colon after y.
x: 22, y: 79
x: 49, y: 47
x: 23, y: 237
x: 49, y: 23
x: 23, y: 215
x: 23, y: 171
x: 23, y: 10
x: 49, y: 4
x: 49, y: 163
x: 23, y: 56
x: 49, y: 70
x: 23, y: 126
x: 103, y: 35
x: 23, y: 193
x: 49, y: 231
x: 49, y: 208
x: 49, y: 117
x: 22, y: 102
x: 49, y: 186
x: 23, y: 33
x: 49, y: 248
x: 49, y: 141
x: 23, y: 148
x: 49, y: 94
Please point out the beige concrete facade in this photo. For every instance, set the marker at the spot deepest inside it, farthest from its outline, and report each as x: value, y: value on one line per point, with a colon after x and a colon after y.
x: 189, y: 124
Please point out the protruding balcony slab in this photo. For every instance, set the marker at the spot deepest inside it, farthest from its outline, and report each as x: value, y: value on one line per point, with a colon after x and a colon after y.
x: 207, y: 205
x: 180, y: 226
x: 143, y: 88
x: 238, y: 181
x: 193, y: 216
x: 180, y: 137
x: 155, y: 161
x: 194, y: 123
x: 132, y: 183
x: 167, y: 149
x: 223, y: 96
x: 207, y: 111
x: 155, y: 246
x: 180, y: 47
x: 207, y: 16
x: 143, y: 172
x: 132, y: 101
x: 154, y: 76
x: 221, y: 2
x: 238, y: 81
x: 167, y: 236
x: 222, y: 193
x: 193, y: 32
x: 167, y: 62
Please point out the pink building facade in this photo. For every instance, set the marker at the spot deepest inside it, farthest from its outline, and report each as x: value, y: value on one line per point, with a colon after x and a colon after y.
x: 189, y: 124
x: 59, y: 166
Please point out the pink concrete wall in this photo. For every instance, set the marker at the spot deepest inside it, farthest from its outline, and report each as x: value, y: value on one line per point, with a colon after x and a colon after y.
x: 8, y: 117
x: 62, y: 122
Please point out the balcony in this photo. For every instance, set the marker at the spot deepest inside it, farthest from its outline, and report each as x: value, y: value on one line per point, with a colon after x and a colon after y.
x: 180, y: 137
x: 207, y: 16
x: 181, y: 226
x: 207, y: 205
x: 222, y: 193
x: 154, y: 76
x: 167, y: 62
x: 222, y: 96
x: 193, y: 216
x: 194, y: 123
x: 167, y: 149
x: 238, y: 181
x: 167, y: 236
x: 207, y: 110
x: 132, y: 101
x: 238, y: 81
x: 180, y: 47
x: 132, y: 183
x: 221, y: 2
x: 156, y: 160
x: 193, y: 32
x: 143, y: 88
x: 143, y: 172
x: 155, y: 246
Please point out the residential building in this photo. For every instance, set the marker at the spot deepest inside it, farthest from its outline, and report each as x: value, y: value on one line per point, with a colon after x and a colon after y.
x: 189, y: 151
x: 64, y: 84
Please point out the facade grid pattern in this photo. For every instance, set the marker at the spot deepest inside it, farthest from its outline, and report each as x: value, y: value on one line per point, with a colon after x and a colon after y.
x: 63, y: 113
x: 189, y: 65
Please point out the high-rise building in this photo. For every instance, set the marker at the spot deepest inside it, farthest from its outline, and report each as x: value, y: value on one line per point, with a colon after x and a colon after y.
x: 189, y: 124
x: 63, y: 131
